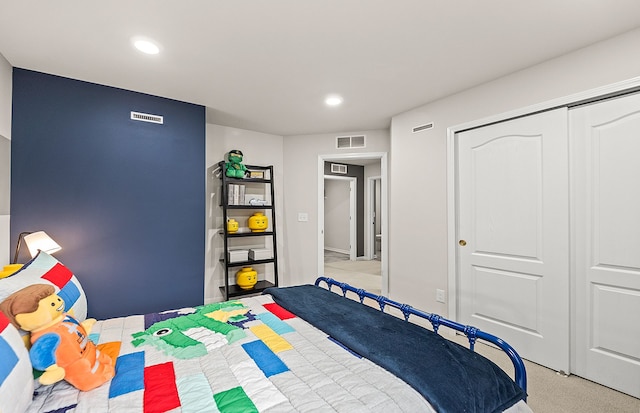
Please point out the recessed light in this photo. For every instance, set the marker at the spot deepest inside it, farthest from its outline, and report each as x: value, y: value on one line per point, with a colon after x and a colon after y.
x: 146, y: 46
x: 333, y: 100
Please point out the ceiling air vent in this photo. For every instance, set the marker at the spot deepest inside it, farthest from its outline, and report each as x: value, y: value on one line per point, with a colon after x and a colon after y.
x: 345, y: 142
x: 146, y: 117
x: 420, y: 128
x: 337, y: 168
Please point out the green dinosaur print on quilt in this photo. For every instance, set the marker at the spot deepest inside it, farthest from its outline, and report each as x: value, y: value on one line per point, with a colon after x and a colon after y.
x: 188, y: 336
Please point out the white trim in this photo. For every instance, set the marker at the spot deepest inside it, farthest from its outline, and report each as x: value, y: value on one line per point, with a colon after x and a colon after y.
x: 370, y: 244
x: 452, y: 159
x: 338, y: 250
x: 452, y: 225
x: 570, y: 100
x: 384, y: 213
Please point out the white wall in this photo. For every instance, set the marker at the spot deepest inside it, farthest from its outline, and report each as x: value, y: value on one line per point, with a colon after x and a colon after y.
x: 418, y: 240
x: 301, y: 180
x: 5, y: 158
x: 258, y: 149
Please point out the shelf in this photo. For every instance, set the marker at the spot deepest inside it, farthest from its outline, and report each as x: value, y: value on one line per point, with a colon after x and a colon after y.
x: 248, y: 263
x: 249, y: 234
x: 249, y: 206
x: 235, y: 291
x: 238, y: 180
x: 263, y: 188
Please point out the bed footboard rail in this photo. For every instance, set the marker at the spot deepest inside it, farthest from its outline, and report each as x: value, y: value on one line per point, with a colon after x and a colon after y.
x: 472, y: 333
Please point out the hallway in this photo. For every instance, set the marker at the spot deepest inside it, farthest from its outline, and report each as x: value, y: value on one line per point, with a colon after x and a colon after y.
x: 364, y: 274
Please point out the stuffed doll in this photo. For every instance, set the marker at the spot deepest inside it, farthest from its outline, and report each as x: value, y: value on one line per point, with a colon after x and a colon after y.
x: 234, y: 167
x: 60, y: 344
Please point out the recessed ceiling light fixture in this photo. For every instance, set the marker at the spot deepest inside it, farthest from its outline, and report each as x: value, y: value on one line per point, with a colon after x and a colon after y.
x: 333, y: 100
x: 146, y: 46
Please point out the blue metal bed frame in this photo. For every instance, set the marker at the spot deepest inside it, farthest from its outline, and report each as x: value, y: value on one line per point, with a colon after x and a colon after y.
x: 436, y: 321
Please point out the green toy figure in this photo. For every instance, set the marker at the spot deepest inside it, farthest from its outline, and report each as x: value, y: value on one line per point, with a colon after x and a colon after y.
x: 234, y: 167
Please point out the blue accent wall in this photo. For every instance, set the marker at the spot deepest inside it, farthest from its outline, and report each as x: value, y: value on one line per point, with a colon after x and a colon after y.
x: 125, y: 199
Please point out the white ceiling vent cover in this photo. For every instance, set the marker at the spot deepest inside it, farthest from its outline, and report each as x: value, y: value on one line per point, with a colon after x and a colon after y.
x: 345, y: 142
x: 337, y: 168
x: 420, y: 128
x: 146, y: 117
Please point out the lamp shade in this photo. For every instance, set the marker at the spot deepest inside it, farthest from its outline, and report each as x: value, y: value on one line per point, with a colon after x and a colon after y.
x: 40, y: 241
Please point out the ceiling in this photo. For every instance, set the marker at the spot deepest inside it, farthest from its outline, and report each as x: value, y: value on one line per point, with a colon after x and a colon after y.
x: 266, y: 65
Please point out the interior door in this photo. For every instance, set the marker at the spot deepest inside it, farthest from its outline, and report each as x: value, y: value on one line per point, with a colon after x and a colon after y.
x: 339, y: 215
x: 606, y: 142
x: 513, y: 232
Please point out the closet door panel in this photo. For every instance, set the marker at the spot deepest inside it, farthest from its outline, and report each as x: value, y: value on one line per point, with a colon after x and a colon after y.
x: 606, y: 142
x: 513, y: 232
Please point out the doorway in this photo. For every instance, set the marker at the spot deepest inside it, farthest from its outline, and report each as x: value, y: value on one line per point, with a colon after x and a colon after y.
x: 379, y: 158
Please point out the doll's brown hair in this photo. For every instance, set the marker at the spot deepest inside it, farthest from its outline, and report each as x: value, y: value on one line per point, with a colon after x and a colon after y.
x: 25, y: 300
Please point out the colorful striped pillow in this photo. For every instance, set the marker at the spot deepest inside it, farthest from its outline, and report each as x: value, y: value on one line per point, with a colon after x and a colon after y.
x: 44, y: 269
x: 16, y: 376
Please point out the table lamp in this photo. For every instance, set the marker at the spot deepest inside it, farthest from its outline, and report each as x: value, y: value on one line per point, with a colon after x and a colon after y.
x: 36, y: 241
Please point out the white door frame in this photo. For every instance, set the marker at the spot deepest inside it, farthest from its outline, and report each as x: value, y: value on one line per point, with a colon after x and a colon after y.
x: 370, y: 244
x: 384, y: 213
x: 353, y: 222
x: 452, y: 167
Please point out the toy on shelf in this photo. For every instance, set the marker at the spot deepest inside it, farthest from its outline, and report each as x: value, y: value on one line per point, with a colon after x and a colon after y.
x: 234, y: 166
x: 257, y: 202
x: 246, y: 278
x: 232, y: 226
x: 258, y: 222
x: 60, y: 344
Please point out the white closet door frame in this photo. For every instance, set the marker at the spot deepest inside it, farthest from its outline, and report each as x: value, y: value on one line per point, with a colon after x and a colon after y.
x: 626, y: 86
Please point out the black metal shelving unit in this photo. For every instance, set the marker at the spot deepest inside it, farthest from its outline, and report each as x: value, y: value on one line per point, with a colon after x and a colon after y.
x: 231, y: 290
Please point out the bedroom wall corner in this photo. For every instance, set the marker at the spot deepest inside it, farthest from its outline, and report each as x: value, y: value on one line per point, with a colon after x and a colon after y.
x: 258, y: 149
x: 5, y: 159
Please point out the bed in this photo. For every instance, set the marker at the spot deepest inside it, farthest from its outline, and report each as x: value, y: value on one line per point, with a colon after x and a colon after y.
x: 307, y: 348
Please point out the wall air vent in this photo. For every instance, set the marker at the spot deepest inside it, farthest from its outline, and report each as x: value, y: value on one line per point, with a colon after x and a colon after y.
x: 345, y: 142
x: 146, y: 117
x: 420, y: 128
x: 337, y: 168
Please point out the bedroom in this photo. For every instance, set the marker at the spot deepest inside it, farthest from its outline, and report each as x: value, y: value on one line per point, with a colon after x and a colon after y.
x: 604, y: 61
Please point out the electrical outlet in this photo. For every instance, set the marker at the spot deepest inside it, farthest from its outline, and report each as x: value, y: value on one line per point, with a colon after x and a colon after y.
x: 303, y: 217
x: 440, y: 295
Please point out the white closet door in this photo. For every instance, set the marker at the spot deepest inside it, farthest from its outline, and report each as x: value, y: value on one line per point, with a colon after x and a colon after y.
x: 513, y: 232
x: 606, y: 143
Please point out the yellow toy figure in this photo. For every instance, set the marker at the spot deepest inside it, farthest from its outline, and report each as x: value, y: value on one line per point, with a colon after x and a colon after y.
x: 258, y: 222
x: 60, y: 344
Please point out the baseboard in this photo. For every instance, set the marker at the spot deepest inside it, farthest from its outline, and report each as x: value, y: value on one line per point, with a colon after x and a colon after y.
x: 338, y: 250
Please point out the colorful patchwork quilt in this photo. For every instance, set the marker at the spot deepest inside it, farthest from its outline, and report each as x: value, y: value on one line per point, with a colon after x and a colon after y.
x: 249, y: 355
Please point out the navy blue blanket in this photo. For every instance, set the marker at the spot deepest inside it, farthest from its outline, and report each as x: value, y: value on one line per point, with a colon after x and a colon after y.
x: 451, y: 377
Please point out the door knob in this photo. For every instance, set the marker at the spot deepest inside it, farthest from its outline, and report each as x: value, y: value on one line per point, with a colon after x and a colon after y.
x: 462, y: 243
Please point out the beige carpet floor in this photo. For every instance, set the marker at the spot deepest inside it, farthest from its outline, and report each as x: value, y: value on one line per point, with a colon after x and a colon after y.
x: 361, y: 274
x: 550, y: 392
